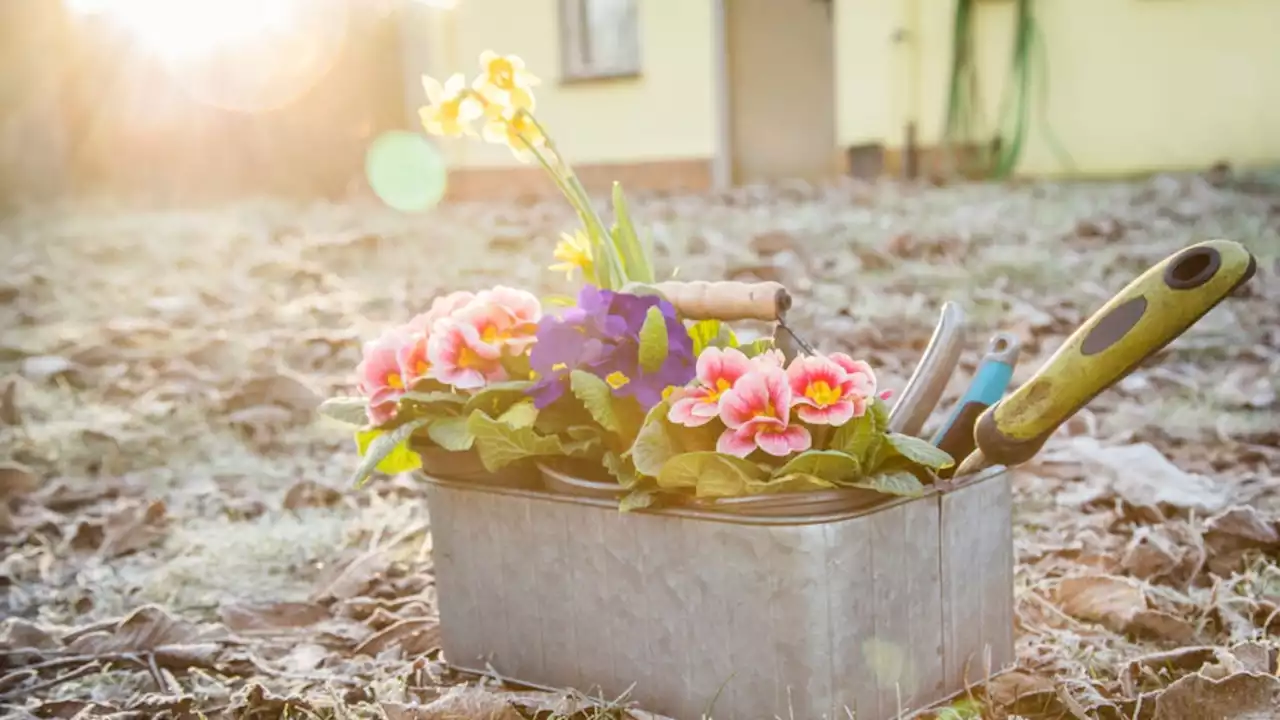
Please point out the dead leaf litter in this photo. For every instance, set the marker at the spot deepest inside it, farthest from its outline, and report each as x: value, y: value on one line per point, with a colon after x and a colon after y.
x: 178, y: 538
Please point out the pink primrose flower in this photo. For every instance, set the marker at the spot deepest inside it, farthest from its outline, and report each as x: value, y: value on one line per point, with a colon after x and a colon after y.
x: 465, y: 349
x: 715, y: 373
x: 380, y: 377
x: 756, y: 411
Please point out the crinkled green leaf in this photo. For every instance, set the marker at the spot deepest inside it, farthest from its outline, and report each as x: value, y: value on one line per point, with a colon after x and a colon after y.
x: 653, y: 340
x: 522, y: 414
x: 500, y: 444
x: 710, y: 474
x: 711, y: 333
x: 583, y: 432
x: 791, y: 482
x: 497, y: 397
x: 386, y: 451
x: 621, y: 469
x: 451, y: 433
x: 919, y: 451
x: 895, y: 482
x: 861, y: 436
x: 654, y: 445
x: 596, y: 396
x: 630, y: 417
x: 635, y: 500
x: 349, y: 410
x: 432, y: 397
x: 588, y: 448
x: 830, y: 465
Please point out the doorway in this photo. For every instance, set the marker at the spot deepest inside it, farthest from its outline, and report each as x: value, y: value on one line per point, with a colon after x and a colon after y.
x: 780, y: 68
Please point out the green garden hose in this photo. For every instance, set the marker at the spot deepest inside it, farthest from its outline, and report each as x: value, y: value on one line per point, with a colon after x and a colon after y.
x: 963, y: 106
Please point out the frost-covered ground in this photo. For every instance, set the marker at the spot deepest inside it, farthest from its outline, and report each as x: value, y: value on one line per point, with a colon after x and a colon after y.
x: 177, y: 533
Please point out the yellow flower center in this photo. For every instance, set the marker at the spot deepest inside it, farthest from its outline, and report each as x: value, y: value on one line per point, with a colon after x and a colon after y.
x: 721, y: 386
x: 421, y: 367
x: 616, y: 380
x: 559, y: 366
x: 467, y: 358
x: 395, y: 381
x: 822, y: 393
x: 501, y: 74
x: 767, y: 411
x: 490, y: 334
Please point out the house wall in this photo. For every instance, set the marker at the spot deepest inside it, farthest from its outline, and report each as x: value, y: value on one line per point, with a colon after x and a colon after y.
x: 1133, y: 85
x: 656, y: 130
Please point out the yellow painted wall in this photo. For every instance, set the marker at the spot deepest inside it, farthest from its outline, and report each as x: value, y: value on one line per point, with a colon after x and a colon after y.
x: 667, y: 113
x: 1134, y: 85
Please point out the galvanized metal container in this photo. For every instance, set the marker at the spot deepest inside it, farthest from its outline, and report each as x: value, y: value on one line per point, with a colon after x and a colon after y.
x: 877, y: 611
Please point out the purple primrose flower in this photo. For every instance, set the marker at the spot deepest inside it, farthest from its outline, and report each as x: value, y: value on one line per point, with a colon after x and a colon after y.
x: 601, y: 335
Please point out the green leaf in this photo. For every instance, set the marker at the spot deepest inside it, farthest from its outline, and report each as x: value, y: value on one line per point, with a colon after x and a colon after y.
x: 711, y: 474
x: 630, y: 418
x: 589, y: 448
x: 583, y: 432
x: 635, y: 500
x: 621, y: 469
x: 711, y: 333
x: 433, y: 397
x: 500, y: 444
x: 348, y: 410
x: 517, y: 366
x: 653, y: 340
x: 559, y: 300
x: 596, y: 397
x: 386, y: 452
x: 634, y: 255
x: 832, y: 466
x: 792, y: 482
x: 522, y: 414
x: 896, y: 482
x: 919, y: 451
x: 759, y: 346
x: 497, y: 397
x: 451, y: 433
x: 861, y: 436
x: 654, y: 445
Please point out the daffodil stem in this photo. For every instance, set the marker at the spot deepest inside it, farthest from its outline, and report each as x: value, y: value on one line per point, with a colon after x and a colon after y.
x: 582, y: 201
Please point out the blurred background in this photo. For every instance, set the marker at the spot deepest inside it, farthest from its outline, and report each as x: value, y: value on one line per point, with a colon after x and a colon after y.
x: 200, y: 99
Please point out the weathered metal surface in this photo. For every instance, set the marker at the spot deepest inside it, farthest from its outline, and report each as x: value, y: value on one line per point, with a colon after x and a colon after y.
x: 735, y: 617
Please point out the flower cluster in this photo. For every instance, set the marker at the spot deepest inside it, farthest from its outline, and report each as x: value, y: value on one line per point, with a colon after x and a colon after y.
x: 501, y: 97
x: 460, y: 342
x: 764, y: 404
x: 601, y: 335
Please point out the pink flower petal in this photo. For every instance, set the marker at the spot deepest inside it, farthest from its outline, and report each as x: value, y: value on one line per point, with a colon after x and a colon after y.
x: 736, y: 443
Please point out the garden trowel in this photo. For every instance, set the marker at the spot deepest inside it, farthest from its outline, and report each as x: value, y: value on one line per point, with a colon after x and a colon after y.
x: 1140, y: 320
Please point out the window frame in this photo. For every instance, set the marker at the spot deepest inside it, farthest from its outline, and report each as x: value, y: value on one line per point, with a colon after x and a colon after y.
x: 575, y: 39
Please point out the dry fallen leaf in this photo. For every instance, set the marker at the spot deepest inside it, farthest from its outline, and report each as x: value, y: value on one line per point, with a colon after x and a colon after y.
x: 1106, y: 599
x: 270, y: 617
x: 1243, y: 696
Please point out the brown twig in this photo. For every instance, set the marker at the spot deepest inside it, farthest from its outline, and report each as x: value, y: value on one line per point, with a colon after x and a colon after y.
x: 26, y: 692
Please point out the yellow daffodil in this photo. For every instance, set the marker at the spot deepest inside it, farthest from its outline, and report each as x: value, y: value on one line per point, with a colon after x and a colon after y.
x: 573, y: 252
x: 504, y: 82
x: 452, y: 108
x: 518, y: 131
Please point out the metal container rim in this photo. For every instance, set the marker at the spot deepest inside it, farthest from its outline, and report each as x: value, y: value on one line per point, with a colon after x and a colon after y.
x: 938, y: 489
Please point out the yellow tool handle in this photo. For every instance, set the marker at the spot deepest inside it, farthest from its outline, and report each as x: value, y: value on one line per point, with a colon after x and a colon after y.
x: 1140, y: 320
x: 725, y: 300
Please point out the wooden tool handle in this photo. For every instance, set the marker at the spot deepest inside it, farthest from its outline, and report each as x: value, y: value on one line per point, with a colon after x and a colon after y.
x: 1141, y: 319
x: 725, y: 300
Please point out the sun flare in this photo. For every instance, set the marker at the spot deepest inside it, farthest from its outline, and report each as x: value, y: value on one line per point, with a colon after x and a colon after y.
x: 191, y: 29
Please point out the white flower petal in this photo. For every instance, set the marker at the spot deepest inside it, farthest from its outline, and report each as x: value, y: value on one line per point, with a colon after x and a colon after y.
x: 433, y: 88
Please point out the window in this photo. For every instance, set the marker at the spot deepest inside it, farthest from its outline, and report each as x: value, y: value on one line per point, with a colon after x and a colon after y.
x: 599, y: 39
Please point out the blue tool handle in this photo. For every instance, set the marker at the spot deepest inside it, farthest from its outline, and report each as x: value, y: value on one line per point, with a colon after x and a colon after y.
x: 988, y: 386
